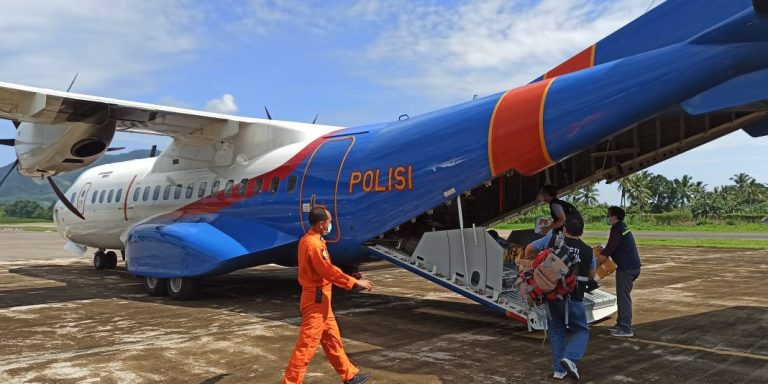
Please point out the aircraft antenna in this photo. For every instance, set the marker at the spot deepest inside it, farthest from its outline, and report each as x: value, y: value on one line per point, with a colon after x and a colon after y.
x: 73, y: 81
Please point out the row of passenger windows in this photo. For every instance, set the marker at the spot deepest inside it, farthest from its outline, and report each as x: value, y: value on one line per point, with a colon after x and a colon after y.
x: 176, y: 192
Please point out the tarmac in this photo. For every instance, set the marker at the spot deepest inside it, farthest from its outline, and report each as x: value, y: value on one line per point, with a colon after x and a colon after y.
x: 701, y: 316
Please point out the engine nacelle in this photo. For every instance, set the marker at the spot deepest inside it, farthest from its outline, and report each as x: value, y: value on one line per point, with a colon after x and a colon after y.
x: 51, y: 149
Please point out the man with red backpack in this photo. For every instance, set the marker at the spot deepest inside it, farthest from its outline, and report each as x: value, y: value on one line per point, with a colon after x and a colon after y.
x: 567, y: 313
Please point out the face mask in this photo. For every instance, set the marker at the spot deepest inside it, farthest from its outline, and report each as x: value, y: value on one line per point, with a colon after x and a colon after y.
x: 328, y: 231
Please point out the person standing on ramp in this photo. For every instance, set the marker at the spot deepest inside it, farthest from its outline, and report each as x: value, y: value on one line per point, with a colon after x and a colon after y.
x: 317, y: 275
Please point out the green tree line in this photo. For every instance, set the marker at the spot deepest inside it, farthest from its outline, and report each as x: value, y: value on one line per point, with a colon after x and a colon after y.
x: 645, y: 193
x: 26, y: 209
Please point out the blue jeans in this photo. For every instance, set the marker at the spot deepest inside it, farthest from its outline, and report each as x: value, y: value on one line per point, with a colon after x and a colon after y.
x: 577, y: 322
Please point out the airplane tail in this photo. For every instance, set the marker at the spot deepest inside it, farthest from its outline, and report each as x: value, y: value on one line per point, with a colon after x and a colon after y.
x: 714, y: 58
x: 672, y: 22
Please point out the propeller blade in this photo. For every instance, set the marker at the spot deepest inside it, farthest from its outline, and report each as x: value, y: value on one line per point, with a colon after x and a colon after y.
x: 112, y: 149
x: 10, y: 170
x: 64, y: 199
x: 268, y: 115
x: 8, y: 142
x: 73, y: 81
x: 315, y: 120
x: 153, y: 151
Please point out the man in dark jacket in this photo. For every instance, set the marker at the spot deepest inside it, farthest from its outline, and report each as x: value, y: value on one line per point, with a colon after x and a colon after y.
x: 622, y: 249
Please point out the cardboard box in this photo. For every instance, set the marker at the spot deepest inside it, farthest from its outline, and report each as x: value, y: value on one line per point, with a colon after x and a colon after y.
x: 606, y: 268
x: 540, y: 222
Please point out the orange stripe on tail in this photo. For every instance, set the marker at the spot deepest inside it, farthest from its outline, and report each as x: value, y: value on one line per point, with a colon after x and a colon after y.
x: 516, y: 135
x: 582, y: 60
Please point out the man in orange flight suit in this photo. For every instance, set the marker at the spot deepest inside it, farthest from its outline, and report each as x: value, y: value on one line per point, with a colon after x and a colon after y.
x: 318, y: 325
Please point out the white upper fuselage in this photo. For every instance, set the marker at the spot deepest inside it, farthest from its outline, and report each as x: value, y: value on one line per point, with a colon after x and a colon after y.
x: 115, y: 197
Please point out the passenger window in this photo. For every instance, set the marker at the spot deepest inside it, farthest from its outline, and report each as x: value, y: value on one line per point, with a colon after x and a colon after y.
x: 203, y: 187
x: 109, y: 196
x: 156, y: 194
x: 177, y: 192
x: 119, y: 195
x: 243, y: 186
x: 147, y: 190
x: 258, y: 185
x: 136, y: 194
x: 228, y: 188
x: 101, y: 196
x: 291, y: 184
x: 190, y: 190
x: 167, y: 192
x: 274, y: 184
x: 215, y: 188
x: 72, y: 199
x: 93, y: 197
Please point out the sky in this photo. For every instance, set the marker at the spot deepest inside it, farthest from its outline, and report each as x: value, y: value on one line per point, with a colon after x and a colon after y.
x: 353, y: 62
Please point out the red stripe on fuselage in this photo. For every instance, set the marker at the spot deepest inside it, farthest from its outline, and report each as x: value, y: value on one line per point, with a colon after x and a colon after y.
x: 516, y: 135
x: 582, y: 60
x: 220, y: 201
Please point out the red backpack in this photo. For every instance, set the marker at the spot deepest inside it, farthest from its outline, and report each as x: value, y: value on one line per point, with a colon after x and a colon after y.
x: 552, y: 276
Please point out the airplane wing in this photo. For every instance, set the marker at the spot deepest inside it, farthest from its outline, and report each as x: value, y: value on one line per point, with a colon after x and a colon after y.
x: 46, y: 106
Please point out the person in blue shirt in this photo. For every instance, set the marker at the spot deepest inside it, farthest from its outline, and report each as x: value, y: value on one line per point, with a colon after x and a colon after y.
x: 622, y: 249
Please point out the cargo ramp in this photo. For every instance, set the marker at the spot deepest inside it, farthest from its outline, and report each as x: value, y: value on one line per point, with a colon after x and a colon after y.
x: 471, y: 263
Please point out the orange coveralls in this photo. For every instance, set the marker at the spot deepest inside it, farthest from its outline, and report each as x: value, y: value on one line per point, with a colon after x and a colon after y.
x: 318, y: 325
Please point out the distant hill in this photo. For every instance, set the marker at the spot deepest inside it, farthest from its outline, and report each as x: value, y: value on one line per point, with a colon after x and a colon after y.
x: 18, y: 187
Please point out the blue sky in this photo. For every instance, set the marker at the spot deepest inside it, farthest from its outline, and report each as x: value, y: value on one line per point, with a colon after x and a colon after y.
x: 353, y: 62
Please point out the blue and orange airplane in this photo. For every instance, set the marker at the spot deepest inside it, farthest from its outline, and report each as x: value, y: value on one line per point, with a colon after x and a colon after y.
x: 233, y: 192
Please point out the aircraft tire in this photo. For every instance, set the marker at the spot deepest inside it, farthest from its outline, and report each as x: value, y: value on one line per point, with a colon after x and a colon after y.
x: 183, y: 288
x: 100, y: 261
x: 111, y: 260
x: 155, y: 286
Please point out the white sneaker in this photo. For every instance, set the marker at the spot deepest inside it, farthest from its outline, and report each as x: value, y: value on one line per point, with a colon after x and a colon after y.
x: 560, y: 375
x: 570, y: 366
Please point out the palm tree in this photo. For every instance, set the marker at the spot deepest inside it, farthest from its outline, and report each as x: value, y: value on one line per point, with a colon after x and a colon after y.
x: 587, y: 195
x: 745, y: 186
x: 685, y: 190
x: 638, y: 191
x: 741, y: 179
x: 624, y: 186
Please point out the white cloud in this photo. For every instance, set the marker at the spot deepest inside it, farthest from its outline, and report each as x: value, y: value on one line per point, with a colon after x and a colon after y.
x: 225, y: 104
x: 115, y: 45
x: 487, y: 46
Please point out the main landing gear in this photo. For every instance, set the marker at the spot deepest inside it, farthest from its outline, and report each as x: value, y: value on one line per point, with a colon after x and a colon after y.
x: 177, y: 288
x: 104, y: 260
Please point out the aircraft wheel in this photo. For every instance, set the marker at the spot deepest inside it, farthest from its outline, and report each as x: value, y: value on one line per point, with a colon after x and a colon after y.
x: 111, y: 259
x: 155, y: 286
x: 100, y: 260
x: 183, y: 288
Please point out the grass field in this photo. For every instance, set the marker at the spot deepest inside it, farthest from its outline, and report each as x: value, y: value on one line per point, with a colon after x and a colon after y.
x: 689, y: 243
x: 753, y: 227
